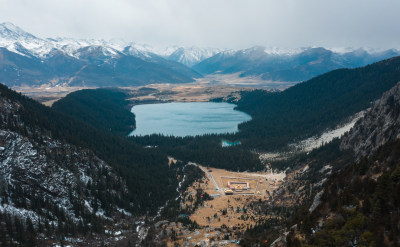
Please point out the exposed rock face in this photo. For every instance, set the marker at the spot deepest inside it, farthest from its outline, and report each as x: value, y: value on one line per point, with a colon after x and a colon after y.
x: 379, y: 125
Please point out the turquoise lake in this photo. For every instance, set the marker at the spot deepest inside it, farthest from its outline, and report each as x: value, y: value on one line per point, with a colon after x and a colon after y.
x: 187, y: 119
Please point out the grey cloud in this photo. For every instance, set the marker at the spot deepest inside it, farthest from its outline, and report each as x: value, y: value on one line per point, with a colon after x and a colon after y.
x: 215, y: 23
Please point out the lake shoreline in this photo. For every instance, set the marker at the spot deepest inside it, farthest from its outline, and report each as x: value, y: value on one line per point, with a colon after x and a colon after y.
x: 187, y: 118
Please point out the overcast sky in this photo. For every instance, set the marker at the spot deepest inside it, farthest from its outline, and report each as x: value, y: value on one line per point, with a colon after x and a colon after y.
x: 214, y: 23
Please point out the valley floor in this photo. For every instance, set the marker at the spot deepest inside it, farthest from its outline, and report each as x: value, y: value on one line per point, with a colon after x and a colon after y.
x: 204, y: 89
x: 223, y: 220
x: 46, y: 94
x: 188, y: 92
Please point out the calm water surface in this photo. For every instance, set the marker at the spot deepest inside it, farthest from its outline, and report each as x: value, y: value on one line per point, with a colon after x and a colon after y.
x: 187, y: 119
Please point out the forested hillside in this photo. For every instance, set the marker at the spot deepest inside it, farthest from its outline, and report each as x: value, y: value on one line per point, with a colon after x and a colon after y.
x: 310, y: 107
x: 148, y: 178
x: 106, y: 109
x: 360, y: 201
x: 360, y: 204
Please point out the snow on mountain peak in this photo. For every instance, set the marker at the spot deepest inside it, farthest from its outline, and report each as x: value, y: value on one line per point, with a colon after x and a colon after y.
x: 134, y: 51
x: 192, y: 55
x: 19, y: 41
x: 343, y: 50
x: 161, y: 51
x: 283, y: 51
x: 8, y: 29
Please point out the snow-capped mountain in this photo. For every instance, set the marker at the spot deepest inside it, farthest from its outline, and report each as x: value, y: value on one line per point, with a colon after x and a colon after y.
x: 161, y: 51
x: 190, y: 56
x: 70, y: 46
x: 283, y: 51
x: 17, y: 40
x: 136, y: 51
x: 99, y: 62
x: 29, y: 60
x: 275, y: 64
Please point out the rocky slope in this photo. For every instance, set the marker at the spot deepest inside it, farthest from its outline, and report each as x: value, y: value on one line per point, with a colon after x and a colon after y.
x: 358, y: 201
x: 53, y: 187
x: 379, y: 125
x: 359, y: 204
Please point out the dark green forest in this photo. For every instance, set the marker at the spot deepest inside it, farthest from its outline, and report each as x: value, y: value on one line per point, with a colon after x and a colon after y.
x: 106, y: 109
x: 311, y: 107
x: 206, y: 150
x: 149, y: 179
x: 96, y: 106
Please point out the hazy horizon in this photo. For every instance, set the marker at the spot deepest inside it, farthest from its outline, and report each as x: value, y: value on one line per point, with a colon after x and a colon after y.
x: 277, y: 49
x: 228, y: 24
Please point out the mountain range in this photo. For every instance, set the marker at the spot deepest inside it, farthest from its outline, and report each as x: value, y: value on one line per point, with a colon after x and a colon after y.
x: 19, y: 41
x: 29, y: 60
x: 288, y: 65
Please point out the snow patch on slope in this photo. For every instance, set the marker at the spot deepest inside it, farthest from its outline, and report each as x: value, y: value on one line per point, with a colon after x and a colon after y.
x: 311, y: 143
x: 317, y: 141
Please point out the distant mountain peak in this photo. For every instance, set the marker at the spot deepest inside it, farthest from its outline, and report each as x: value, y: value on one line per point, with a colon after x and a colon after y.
x: 11, y: 27
x: 133, y: 51
x: 192, y: 55
x: 273, y: 50
x: 8, y: 29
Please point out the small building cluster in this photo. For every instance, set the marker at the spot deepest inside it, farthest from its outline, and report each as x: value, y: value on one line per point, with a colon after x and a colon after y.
x: 238, y: 186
